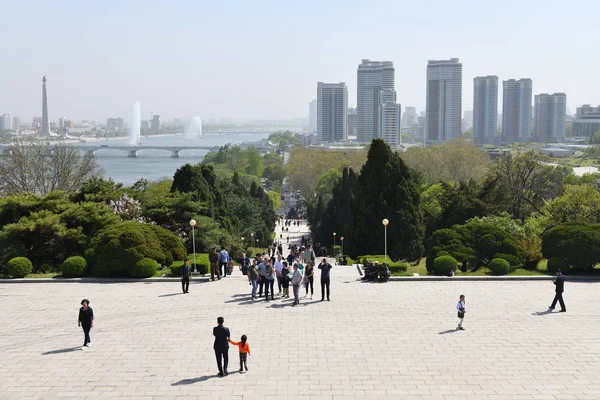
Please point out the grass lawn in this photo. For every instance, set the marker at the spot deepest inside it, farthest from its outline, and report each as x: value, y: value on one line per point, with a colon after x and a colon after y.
x: 422, y: 271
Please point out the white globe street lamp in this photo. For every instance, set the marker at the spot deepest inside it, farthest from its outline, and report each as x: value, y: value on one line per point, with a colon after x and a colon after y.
x: 385, y: 223
x: 193, y: 224
x: 334, y: 239
x: 342, y: 240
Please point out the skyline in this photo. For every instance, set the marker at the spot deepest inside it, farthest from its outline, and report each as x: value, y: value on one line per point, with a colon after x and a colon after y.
x: 263, y: 60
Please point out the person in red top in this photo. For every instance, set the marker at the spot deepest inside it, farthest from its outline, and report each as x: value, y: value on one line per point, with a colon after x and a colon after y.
x: 244, y: 351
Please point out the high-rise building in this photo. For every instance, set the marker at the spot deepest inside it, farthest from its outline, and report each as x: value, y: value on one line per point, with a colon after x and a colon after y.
x: 444, y: 100
x: 115, y: 123
x: 5, y: 124
x: 587, y: 121
x: 155, y: 123
x: 16, y: 123
x: 516, y: 110
x: 389, y: 118
x: 332, y: 112
x: 467, y: 121
x: 410, y: 117
x: 485, y: 109
x: 373, y: 77
x: 352, y: 122
x: 45, y: 122
x: 312, y: 116
x: 550, y: 116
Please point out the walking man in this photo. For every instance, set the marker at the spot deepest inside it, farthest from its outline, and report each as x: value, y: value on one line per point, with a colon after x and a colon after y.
x: 223, y: 260
x: 269, y: 279
x: 296, y: 281
x: 185, y: 276
x: 261, y: 278
x: 278, y: 268
x: 253, y: 277
x: 86, y: 321
x: 213, y: 257
x: 221, y: 345
x: 325, y: 268
x: 560, y: 288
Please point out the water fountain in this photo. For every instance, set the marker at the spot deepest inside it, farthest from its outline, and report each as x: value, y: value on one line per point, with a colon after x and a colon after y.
x: 134, y: 134
x: 193, y: 129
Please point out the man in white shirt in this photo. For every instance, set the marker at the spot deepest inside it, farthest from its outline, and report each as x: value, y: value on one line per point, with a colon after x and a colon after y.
x: 296, y: 281
x: 278, y: 267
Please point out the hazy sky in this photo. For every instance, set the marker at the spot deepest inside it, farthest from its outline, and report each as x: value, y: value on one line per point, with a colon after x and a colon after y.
x: 263, y: 59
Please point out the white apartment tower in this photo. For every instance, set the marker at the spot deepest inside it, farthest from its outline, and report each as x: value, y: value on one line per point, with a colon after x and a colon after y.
x: 485, y: 109
x: 516, y: 110
x: 312, y: 116
x: 443, y: 100
x: 332, y: 112
x: 550, y: 117
x: 373, y: 77
x: 389, y: 118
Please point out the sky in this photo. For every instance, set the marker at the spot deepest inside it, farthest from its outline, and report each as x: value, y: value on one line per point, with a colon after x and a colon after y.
x: 262, y: 59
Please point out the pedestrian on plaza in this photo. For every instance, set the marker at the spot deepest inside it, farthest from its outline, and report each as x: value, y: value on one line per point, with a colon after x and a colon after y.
x: 278, y: 268
x: 244, y: 264
x: 325, y: 268
x: 269, y: 277
x: 213, y: 257
x: 244, y: 351
x: 309, y: 278
x: 253, y: 277
x: 291, y: 258
x: 296, y: 281
x: 86, y: 321
x: 221, y: 345
x: 261, y: 272
x: 185, y: 276
x: 288, y: 238
x: 285, y: 280
x: 460, y: 307
x: 560, y: 288
x: 223, y: 260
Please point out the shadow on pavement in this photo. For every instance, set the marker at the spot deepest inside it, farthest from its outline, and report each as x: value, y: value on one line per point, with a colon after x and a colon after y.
x: 540, y: 313
x: 191, y: 381
x: 170, y: 294
x: 60, y: 351
x: 448, y: 331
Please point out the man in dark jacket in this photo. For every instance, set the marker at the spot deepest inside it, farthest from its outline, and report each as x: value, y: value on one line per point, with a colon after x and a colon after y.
x: 86, y: 321
x: 213, y: 257
x: 185, y: 276
x: 560, y: 288
x: 221, y: 345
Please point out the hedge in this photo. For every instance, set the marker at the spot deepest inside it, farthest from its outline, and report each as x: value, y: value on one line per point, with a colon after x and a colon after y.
x: 74, y: 266
x: 514, y: 261
x: 578, y: 243
x: 443, y: 264
x: 19, y: 267
x: 499, y: 266
x: 145, y: 268
x: 396, y: 269
x: 555, y: 263
x: 202, y: 263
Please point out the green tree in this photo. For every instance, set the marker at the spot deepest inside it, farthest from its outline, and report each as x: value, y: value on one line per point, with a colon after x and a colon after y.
x: 254, y: 162
x: 577, y: 203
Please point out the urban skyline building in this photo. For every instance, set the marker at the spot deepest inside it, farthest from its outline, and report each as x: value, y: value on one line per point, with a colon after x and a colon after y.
x: 372, y: 78
x: 443, y: 100
x: 485, y: 109
x: 409, y: 117
x: 5, y: 124
x: 16, y: 123
x: 312, y: 116
x: 389, y: 118
x: 332, y: 112
x: 155, y: 123
x: 352, y: 122
x: 587, y: 121
x: 516, y: 110
x: 45, y: 122
x: 550, y: 117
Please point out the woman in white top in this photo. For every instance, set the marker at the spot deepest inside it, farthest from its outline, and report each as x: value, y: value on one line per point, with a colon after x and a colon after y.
x: 461, y: 312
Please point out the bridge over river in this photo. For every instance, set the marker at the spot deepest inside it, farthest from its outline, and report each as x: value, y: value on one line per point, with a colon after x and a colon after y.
x: 133, y: 150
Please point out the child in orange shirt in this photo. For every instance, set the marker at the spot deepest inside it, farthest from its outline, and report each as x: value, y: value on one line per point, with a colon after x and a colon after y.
x: 244, y: 351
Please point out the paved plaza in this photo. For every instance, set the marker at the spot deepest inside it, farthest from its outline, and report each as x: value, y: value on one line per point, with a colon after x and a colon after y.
x: 394, y: 340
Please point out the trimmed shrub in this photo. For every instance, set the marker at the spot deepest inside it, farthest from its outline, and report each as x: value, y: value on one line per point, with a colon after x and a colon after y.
x: 442, y: 265
x: 396, y: 269
x: 176, y: 269
x: 576, y: 242
x: 499, y: 266
x: 117, y: 248
x: 442, y: 253
x: 73, y: 266
x: 555, y: 263
x: 145, y: 268
x: 513, y: 260
x: 531, y: 247
x: 19, y: 267
x: 336, y: 250
x: 202, y: 268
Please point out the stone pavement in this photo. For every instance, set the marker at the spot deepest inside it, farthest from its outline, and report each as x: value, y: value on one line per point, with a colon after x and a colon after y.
x: 392, y: 341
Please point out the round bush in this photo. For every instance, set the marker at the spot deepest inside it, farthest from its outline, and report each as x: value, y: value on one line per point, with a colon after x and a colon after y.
x: 73, y: 266
x: 202, y: 268
x: 442, y: 265
x: 442, y: 253
x: 499, y: 266
x: 145, y: 268
x: 555, y: 263
x: 514, y: 261
x: 19, y: 267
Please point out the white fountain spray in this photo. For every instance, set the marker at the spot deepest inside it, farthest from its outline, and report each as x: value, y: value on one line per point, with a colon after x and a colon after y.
x: 193, y: 129
x: 134, y: 134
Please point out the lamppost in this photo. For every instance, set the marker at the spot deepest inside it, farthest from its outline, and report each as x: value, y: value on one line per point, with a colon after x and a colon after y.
x: 342, y: 240
x: 385, y: 223
x: 242, y: 241
x: 334, y: 238
x: 256, y: 242
x: 193, y: 224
